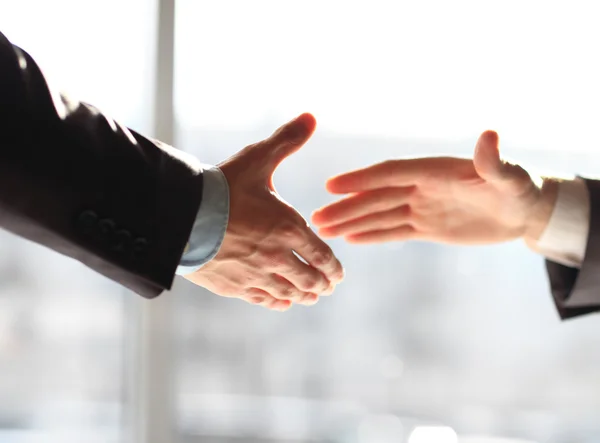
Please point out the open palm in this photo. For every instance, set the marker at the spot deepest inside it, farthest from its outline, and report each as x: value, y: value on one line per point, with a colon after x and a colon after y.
x: 442, y: 199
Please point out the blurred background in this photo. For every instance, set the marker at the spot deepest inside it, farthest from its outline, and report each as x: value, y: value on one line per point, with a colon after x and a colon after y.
x: 422, y: 343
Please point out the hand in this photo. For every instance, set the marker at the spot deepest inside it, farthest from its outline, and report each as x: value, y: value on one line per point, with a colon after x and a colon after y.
x: 441, y: 199
x: 257, y: 260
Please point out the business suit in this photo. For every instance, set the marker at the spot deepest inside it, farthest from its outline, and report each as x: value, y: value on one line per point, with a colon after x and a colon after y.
x: 576, y: 291
x: 75, y: 181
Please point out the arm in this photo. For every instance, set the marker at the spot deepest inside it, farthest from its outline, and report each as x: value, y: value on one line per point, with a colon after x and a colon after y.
x: 564, y: 231
x: 478, y: 201
x: 75, y: 181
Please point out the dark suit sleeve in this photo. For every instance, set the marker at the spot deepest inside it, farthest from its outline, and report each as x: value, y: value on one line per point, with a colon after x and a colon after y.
x: 75, y: 181
x: 577, y: 291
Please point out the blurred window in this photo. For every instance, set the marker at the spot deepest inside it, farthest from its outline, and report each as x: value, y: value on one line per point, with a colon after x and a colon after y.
x: 461, y: 337
x: 62, y: 334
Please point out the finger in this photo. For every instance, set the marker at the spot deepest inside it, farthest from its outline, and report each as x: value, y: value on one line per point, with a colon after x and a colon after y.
x: 329, y: 290
x: 400, y: 233
x: 288, y: 139
x: 487, y: 157
x: 374, y: 222
x: 304, y: 277
x: 490, y: 167
x: 391, y: 173
x: 257, y: 296
x: 282, y: 289
x: 312, y: 299
x: 320, y: 256
x: 360, y: 205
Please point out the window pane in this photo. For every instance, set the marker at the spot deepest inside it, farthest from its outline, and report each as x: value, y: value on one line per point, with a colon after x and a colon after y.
x: 61, y: 325
x: 464, y: 337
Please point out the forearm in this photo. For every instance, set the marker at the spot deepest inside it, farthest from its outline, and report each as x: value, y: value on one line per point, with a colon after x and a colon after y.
x: 76, y: 181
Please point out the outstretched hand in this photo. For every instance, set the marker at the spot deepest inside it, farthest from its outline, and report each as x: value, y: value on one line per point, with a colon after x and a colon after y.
x: 259, y: 258
x: 441, y: 199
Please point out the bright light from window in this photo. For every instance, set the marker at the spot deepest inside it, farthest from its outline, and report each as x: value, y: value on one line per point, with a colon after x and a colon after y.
x: 433, y: 434
x: 432, y: 68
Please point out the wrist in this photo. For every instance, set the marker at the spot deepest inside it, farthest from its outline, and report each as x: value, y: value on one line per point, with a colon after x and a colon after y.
x: 541, y: 212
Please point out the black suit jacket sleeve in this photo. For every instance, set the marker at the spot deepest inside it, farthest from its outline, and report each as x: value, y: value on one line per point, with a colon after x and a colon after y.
x: 75, y: 181
x: 577, y: 291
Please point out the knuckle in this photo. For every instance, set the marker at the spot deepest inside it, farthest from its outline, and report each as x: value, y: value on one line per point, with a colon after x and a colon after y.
x: 256, y: 299
x: 323, y: 257
x: 278, y: 262
x: 411, y: 193
x: 289, y: 231
x: 287, y: 292
x: 310, y: 282
x: 252, y: 296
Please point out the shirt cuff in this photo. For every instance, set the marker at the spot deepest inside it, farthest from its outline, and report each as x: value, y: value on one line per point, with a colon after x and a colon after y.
x: 565, y: 238
x: 211, y: 222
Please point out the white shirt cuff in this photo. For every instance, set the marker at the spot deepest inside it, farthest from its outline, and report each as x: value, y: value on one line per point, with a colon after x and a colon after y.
x: 211, y: 222
x: 564, y: 240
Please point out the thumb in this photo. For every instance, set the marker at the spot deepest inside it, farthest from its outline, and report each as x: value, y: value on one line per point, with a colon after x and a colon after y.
x: 487, y: 157
x: 492, y: 168
x: 288, y: 139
